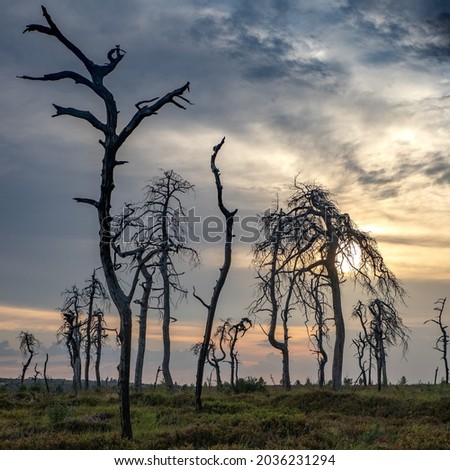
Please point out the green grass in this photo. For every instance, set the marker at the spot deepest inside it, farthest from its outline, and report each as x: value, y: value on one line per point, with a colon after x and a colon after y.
x: 400, y: 417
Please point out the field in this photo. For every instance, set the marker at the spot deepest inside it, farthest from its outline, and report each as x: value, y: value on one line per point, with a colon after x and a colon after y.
x: 399, y: 417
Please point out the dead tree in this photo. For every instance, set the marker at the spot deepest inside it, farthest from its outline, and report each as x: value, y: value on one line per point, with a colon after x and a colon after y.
x: 443, y: 340
x: 332, y: 237
x: 215, y: 358
x: 158, y: 244
x: 219, y: 343
x: 164, y: 207
x: 99, y: 336
x: 37, y: 373
x: 93, y: 293
x: 112, y: 142
x: 28, y: 346
x: 212, y: 306
x: 71, y: 331
x: 382, y: 328
x: 282, y: 260
x: 235, y: 332
x: 277, y: 276
x: 361, y: 345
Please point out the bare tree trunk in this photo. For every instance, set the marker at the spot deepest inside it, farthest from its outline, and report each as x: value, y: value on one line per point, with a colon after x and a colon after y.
x: 45, y: 374
x: 233, y: 356
x: 218, y: 376
x: 144, y: 304
x: 98, y: 357
x: 379, y: 369
x: 166, y: 322
x: 77, y: 383
x: 383, y: 366
x: 124, y: 372
x: 282, y: 346
x: 88, y: 331
x: 25, y: 367
x: 156, y: 377
x: 323, y: 357
x: 211, y: 308
x: 338, y: 354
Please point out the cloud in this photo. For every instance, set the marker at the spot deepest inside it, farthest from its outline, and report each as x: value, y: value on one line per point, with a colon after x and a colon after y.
x: 6, y: 350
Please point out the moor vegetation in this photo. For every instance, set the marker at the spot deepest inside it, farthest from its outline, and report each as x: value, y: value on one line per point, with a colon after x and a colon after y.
x: 254, y: 416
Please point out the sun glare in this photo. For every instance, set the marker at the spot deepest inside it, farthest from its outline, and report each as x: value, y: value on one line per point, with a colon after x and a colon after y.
x: 403, y: 135
x: 350, y: 259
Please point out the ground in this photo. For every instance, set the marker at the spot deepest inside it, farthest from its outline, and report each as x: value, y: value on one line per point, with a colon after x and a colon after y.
x: 259, y: 417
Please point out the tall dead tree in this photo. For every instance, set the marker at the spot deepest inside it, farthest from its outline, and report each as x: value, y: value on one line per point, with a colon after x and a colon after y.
x: 333, y: 237
x: 443, y: 340
x: 382, y: 327
x: 99, y: 336
x: 28, y: 346
x: 112, y: 142
x: 164, y: 207
x: 158, y: 244
x: 93, y: 292
x: 276, y: 284
x: 212, y: 306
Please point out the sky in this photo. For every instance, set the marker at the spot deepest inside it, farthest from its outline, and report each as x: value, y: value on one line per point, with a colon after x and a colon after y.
x: 351, y: 95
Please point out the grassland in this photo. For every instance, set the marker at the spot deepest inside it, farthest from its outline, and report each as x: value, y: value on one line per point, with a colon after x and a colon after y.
x: 400, y: 417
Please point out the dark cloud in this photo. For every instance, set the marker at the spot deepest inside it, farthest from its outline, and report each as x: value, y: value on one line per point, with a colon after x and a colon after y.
x: 435, y: 166
x: 6, y: 349
x: 249, y: 37
x: 403, y: 30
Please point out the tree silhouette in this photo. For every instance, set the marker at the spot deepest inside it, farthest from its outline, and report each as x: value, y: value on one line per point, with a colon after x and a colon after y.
x: 301, y: 259
x: 214, y: 358
x: 28, y: 346
x: 331, y: 237
x: 99, y: 336
x: 212, y: 306
x: 112, y: 142
x: 443, y: 340
x: 277, y: 278
x: 71, y: 331
x: 382, y: 328
x: 362, y: 345
x: 235, y: 331
x: 93, y: 292
x: 158, y: 241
